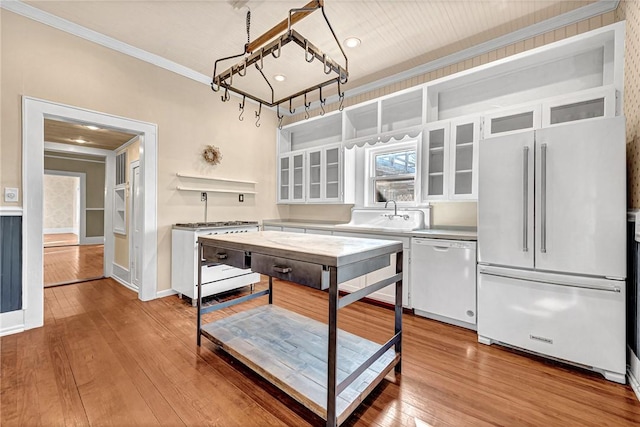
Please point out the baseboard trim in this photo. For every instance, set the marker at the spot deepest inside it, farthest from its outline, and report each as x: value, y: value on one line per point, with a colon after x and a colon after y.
x: 97, y: 240
x: 60, y: 230
x: 125, y: 284
x: 633, y: 372
x: 166, y: 293
x: 121, y: 274
x: 12, y: 322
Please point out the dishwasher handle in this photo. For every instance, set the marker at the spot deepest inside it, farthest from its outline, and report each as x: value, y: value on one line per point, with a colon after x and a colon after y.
x: 442, y: 245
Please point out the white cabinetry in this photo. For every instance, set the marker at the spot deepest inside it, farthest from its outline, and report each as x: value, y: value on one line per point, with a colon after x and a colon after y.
x: 450, y: 160
x: 324, y: 179
x: 310, y: 161
x: 291, y: 177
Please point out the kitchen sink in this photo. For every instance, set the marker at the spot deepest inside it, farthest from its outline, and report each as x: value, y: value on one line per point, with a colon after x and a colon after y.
x: 386, y: 219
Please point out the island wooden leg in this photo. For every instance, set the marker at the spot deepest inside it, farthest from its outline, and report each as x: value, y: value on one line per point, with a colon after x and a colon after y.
x: 270, y: 290
x: 332, y: 380
x: 398, y: 311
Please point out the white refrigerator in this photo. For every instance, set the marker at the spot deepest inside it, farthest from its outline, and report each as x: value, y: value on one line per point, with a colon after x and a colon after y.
x: 551, y: 243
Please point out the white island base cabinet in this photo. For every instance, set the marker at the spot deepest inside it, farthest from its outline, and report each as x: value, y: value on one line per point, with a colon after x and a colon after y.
x: 581, y: 323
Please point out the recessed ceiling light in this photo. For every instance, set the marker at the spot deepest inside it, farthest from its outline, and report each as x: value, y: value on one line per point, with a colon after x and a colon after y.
x: 352, y: 42
x: 92, y: 127
x: 80, y: 141
x: 280, y: 77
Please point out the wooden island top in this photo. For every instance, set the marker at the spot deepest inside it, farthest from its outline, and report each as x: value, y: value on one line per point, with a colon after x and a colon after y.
x: 334, y: 251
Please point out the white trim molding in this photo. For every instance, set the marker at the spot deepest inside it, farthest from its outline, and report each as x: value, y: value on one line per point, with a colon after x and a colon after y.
x: 166, y: 293
x: 585, y: 12
x: 11, y: 322
x: 122, y: 275
x: 54, y: 21
x: 34, y: 111
x: 10, y: 211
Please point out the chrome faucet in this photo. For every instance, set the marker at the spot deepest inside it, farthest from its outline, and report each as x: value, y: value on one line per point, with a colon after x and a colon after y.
x: 395, y: 208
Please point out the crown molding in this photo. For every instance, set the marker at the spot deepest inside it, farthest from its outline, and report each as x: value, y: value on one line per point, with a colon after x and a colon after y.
x: 572, y: 17
x: 54, y: 21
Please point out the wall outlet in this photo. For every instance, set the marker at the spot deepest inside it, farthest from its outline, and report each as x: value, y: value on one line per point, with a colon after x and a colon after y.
x: 10, y: 194
x: 241, y: 198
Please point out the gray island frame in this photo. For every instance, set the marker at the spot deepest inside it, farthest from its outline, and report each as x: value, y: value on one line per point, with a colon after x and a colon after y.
x: 327, y: 370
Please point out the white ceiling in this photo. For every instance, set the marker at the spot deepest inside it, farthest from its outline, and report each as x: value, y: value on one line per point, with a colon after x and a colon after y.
x: 396, y: 35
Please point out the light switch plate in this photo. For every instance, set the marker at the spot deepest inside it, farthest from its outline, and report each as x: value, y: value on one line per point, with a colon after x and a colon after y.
x: 10, y: 194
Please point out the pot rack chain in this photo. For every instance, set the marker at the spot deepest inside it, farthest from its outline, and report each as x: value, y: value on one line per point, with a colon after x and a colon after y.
x: 256, y: 58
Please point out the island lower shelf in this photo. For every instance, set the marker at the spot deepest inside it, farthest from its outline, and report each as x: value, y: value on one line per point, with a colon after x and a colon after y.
x: 290, y: 351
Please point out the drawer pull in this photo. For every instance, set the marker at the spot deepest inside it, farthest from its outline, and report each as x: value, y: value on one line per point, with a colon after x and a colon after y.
x: 282, y: 269
x: 221, y: 256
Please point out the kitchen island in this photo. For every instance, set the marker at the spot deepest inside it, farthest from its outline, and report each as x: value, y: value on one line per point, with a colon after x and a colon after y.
x: 327, y: 370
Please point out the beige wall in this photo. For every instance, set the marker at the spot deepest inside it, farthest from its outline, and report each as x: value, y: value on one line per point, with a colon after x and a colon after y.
x: 630, y: 10
x: 121, y: 241
x: 45, y: 63
x: 94, y: 188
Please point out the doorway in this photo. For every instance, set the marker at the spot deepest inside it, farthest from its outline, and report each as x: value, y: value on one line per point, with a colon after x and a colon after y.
x: 71, y: 254
x: 35, y: 112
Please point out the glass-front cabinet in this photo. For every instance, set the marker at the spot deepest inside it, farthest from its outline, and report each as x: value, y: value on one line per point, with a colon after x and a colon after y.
x: 464, y: 158
x: 435, y: 155
x: 450, y: 159
x: 291, y: 178
x: 324, y: 172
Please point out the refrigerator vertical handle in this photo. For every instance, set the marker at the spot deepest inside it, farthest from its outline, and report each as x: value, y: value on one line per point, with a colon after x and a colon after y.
x: 525, y: 198
x: 543, y: 198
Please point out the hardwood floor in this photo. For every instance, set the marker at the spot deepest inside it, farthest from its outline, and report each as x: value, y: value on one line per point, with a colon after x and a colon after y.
x: 105, y: 357
x: 61, y: 239
x: 70, y: 264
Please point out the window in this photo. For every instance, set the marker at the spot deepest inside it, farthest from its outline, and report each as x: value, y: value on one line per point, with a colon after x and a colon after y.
x: 393, y: 173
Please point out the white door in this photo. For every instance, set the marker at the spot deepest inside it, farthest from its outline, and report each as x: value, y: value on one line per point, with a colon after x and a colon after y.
x: 581, y: 198
x: 505, y: 200
x: 136, y: 228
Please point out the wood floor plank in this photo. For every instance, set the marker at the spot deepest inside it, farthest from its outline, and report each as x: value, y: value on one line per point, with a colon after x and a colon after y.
x: 105, y: 357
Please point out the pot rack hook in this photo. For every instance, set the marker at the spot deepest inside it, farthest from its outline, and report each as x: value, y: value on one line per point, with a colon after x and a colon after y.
x: 340, y: 96
x: 279, y: 47
x: 226, y: 96
x: 215, y: 82
x: 323, y: 101
x: 306, y: 107
x: 306, y: 52
x: 291, y: 111
x: 280, y: 116
x: 258, y: 115
x: 327, y: 67
x: 241, y: 109
x: 261, y: 66
x: 244, y: 68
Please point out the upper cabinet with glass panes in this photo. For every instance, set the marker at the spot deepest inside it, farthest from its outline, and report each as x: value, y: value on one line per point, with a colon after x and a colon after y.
x: 450, y: 159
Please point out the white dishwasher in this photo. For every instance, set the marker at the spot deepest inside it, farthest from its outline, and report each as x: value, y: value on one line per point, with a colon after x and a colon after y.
x: 443, y: 276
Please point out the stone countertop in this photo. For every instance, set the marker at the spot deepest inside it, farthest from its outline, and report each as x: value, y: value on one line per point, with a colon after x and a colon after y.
x: 333, y: 251
x: 449, y: 232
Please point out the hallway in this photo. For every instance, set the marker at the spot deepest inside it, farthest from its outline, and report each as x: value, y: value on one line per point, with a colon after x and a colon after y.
x: 66, y: 262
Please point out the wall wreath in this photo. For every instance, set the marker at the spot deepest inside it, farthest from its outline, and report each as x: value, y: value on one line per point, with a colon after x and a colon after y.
x: 212, y: 154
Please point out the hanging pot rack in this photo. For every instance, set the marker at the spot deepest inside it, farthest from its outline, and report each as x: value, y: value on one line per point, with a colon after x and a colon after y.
x: 262, y: 48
